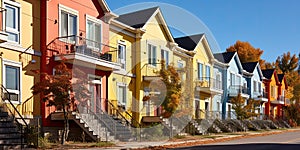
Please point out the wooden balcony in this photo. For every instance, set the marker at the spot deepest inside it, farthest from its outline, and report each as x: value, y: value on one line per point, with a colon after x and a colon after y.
x: 234, y: 90
x: 209, y: 85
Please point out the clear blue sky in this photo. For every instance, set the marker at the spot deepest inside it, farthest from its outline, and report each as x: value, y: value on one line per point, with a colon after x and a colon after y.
x: 271, y: 25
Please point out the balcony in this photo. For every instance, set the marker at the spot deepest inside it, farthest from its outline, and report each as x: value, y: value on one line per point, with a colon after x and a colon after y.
x: 260, y: 96
x: 84, y: 52
x: 3, y: 34
x: 234, y: 90
x: 280, y: 100
x: 209, y: 85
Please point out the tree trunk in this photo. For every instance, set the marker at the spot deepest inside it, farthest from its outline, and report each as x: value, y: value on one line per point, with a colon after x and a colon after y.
x: 64, y: 134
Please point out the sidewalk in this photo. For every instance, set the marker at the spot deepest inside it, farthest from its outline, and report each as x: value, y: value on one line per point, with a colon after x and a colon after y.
x: 196, y: 140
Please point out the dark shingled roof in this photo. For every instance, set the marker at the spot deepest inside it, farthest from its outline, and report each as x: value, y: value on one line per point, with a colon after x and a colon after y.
x: 189, y: 42
x: 249, y: 66
x: 280, y: 77
x: 137, y: 19
x: 268, y: 73
x: 224, y: 57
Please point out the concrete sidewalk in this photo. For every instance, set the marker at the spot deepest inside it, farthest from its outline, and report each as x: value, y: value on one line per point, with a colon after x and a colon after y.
x: 202, y: 139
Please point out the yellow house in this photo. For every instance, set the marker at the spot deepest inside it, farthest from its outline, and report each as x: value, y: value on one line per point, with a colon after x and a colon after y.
x: 201, y: 76
x: 19, y: 54
x: 147, y: 40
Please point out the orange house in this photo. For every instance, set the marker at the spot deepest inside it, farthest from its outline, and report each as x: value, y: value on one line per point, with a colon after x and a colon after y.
x: 77, y: 31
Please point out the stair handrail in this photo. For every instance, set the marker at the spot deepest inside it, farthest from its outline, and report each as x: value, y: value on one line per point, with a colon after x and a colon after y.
x: 16, y: 110
x: 111, y: 104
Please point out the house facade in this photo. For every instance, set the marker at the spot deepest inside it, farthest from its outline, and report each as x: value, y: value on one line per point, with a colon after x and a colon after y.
x: 234, y: 82
x: 20, y: 54
x: 205, y: 87
x: 254, y: 78
x: 79, y: 36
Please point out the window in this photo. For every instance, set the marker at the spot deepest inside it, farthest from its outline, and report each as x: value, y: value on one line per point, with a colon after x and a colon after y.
x: 273, y: 90
x: 68, y: 22
x: 180, y: 64
x: 122, y: 95
x: 12, y: 20
x: 207, y: 71
x: 238, y: 80
x: 200, y: 71
x: 122, y: 55
x: 165, y: 56
x: 218, y: 81
x: 232, y: 79
x: 152, y: 55
x: 12, y: 79
x: 255, y: 86
x: 259, y: 87
x: 93, y: 33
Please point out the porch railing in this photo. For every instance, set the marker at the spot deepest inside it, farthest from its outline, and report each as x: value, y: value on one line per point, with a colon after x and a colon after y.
x: 15, y: 114
x: 236, y: 89
x: 77, y: 44
x: 208, y: 82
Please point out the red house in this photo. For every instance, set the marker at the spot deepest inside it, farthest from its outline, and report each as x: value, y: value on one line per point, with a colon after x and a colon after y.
x: 77, y: 31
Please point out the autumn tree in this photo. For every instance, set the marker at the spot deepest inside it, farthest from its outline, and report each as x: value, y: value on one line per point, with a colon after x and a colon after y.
x: 246, y: 52
x: 242, y: 110
x: 171, y: 79
x: 287, y: 63
x: 58, y: 90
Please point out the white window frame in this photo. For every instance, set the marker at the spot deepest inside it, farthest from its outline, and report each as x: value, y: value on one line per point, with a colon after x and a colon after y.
x: 207, y: 66
x: 122, y: 61
x: 152, y: 60
x: 165, y: 53
x: 70, y: 11
x: 255, y: 86
x: 123, y: 85
x: 200, y: 74
x: 5, y: 63
x: 96, y: 21
x: 19, y: 17
x: 180, y: 64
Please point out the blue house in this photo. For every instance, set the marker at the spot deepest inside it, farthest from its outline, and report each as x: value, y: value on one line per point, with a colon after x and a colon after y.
x: 254, y: 78
x: 234, y: 82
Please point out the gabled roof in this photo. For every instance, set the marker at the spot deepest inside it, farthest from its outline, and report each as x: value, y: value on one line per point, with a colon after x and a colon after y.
x: 280, y: 77
x: 267, y: 73
x: 249, y: 66
x: 189, y: 42
x: 137, y: 19
x: 224, y: 57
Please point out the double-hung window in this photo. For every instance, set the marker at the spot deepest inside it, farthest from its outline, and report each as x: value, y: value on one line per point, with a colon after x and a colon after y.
x: 122, y: 94
x: 255, y: 86
x: 165, y: 56
x: 68, y: 23
x: 12, y: 79
x: 200, y: 71
x: 12, y: 20
x: 207, y: 72
x: 152, y: 54
x: 122, y: 54
x: 93, y: 32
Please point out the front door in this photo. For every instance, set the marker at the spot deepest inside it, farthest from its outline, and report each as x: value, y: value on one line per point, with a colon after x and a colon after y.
x: 97, y: 103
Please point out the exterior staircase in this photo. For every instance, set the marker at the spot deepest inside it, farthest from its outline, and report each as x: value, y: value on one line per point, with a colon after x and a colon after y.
x: 12, y: 128
x: 100, y: 126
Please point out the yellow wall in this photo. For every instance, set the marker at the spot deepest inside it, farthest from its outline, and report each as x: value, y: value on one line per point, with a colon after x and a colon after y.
x: 29, y: 34
x: 273, y: 84
x: 123, y: 77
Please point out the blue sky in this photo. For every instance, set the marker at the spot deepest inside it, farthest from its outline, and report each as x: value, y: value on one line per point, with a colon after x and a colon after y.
x: 271, y: 25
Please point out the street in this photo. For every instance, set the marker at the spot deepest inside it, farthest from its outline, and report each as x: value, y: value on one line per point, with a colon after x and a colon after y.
x: 284, y: 141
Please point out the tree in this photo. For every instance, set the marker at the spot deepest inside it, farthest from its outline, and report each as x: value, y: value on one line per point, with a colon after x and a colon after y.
x: 246, y: 52
x: 58, y: 90
x: 287, y: 63
x: 242, y: 110
x: 171, y: 79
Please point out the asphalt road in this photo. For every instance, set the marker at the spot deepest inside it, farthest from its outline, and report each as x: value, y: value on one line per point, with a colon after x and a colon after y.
x: 283, y: 141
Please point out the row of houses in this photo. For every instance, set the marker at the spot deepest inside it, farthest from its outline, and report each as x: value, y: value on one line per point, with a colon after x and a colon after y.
x: 120, y: 55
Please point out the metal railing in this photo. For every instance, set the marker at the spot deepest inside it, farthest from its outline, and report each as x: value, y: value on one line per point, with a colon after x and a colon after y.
x: 236, y: 89
x: 208, y: 82
x: 78, y: 44
x: 281, y: 98
x: 260, y: 94
x: 18, y: 118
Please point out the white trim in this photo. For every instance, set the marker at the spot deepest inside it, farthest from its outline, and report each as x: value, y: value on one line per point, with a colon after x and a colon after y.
x: 68, y: 10
x: 122, y: 61
x: 15, y: 4
x: 97, y: 21
x: 123, y: 85
x: 17, y: 47
x: 14, y: 64
x: 147, y: 53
